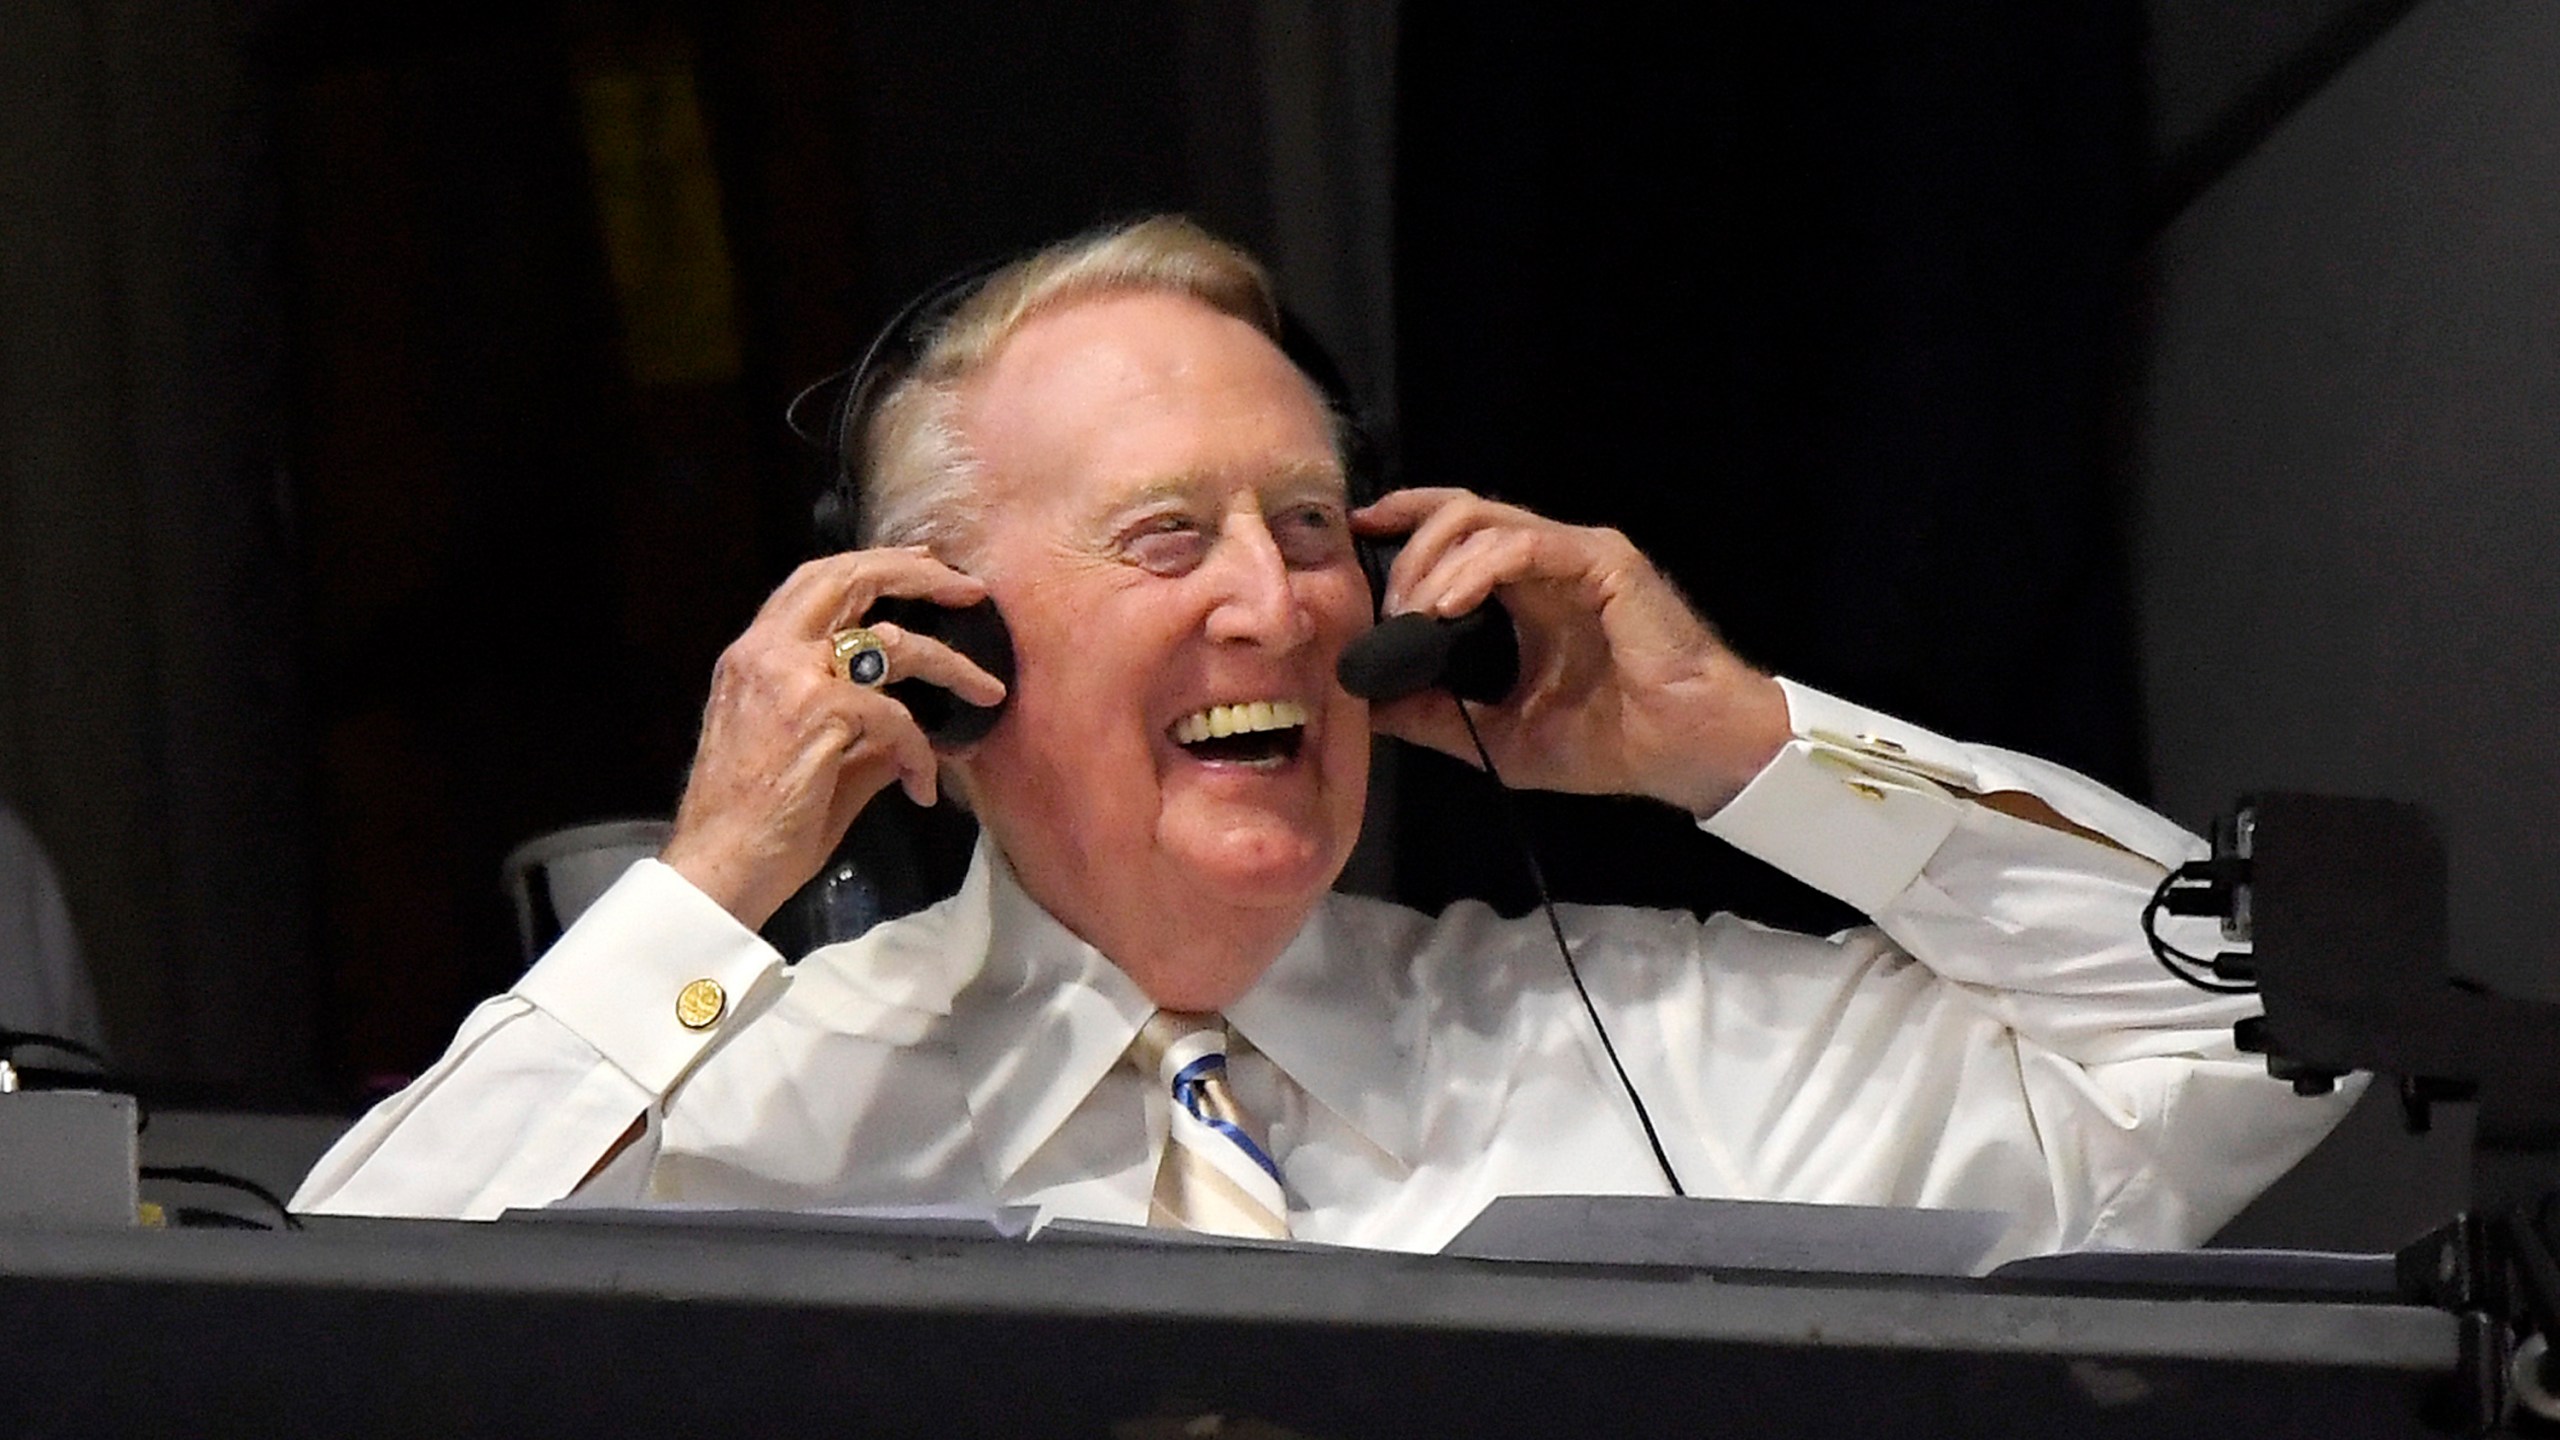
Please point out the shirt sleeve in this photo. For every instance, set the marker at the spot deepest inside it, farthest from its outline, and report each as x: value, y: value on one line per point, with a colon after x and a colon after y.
x: 542, y: 1081
x: 1889, y: 817
x: 2152, y: 1127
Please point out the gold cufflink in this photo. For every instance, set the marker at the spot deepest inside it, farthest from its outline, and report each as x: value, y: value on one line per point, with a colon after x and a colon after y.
x: 1881, y: 743
x: 1872, y: 792
x: 700, y: 1004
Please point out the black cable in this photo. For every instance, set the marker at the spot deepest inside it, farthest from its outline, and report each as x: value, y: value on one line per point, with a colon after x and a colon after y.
x: 12, y: 1041
x: 200, y: 1217
x: 52, y: 1078
x: 2169, y: 955
x: 49, y: 1077
x: 1546, y: 903
x: 206, y: 1175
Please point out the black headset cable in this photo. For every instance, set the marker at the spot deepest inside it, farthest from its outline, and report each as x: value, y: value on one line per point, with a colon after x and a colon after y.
x: 1555, y: 926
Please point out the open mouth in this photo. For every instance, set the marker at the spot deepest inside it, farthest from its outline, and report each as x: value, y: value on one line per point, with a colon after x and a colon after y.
x: 1254, y: 732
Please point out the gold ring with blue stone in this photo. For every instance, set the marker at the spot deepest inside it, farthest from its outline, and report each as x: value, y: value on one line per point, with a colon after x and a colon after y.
x: 859, y: 657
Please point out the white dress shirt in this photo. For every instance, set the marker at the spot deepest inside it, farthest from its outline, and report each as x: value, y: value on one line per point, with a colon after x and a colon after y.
x: 2000, y: 1038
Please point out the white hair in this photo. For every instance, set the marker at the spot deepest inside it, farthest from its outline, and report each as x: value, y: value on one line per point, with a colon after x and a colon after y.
x: 921, y: 480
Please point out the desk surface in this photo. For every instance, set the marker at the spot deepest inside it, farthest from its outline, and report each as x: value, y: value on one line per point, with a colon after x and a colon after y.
x: 399, y: 1327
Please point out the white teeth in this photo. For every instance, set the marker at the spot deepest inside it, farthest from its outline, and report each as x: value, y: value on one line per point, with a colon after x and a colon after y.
x: 1249, y: 718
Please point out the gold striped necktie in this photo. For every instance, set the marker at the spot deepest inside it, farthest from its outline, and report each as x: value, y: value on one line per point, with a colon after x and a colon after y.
x: 1217, y: 1176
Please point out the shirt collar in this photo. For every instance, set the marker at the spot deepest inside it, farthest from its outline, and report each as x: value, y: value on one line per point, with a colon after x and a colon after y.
x: 1326, y: 1014
x: 1047, y: 1016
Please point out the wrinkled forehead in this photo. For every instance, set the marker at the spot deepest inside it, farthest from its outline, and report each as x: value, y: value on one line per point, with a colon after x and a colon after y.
x: 1132, y: 393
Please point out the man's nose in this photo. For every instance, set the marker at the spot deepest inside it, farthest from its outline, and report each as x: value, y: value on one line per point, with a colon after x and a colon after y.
x: 1257, y: 595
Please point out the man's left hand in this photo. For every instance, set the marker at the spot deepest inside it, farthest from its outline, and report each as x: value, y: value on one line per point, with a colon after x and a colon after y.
x: 1623, y: 689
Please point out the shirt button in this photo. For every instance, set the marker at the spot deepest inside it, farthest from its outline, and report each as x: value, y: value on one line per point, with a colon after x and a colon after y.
x: 700, y: 1004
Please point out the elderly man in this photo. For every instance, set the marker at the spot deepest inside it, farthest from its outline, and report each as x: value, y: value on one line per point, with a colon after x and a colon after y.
x: 1144, y: 1003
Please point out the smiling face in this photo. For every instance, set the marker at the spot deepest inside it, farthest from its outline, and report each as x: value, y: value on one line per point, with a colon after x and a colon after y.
x: 1178, y: 778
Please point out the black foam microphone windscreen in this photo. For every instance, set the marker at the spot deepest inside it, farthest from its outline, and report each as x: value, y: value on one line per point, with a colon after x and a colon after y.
x: 1475, y: 656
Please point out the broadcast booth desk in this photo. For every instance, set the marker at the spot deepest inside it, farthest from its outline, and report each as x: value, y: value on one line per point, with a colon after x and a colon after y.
x: 388, y: 1328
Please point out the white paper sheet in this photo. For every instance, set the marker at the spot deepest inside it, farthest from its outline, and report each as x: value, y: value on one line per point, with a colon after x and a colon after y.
x: 1731, y: 1234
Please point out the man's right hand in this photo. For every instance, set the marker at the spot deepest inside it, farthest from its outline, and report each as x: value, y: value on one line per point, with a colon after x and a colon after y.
x: 791, y: 751
x: 1624, y: 689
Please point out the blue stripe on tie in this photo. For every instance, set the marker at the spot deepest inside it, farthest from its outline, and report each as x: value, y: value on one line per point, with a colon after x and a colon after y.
x: 1186, y: 1086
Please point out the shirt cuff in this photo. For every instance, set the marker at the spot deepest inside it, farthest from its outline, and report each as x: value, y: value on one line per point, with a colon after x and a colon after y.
x: 651, y: 975
x: 1854, y: 806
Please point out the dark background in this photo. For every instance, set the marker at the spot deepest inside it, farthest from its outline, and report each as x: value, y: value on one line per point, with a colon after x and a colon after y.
x: 390, y: 397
